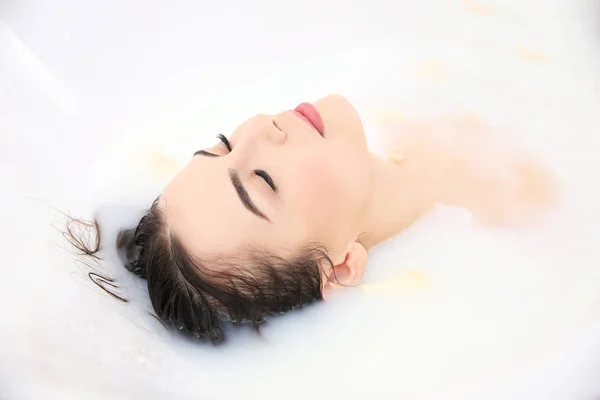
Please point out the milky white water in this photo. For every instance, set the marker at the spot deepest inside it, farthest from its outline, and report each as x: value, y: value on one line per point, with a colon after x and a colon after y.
x: 449, y: 309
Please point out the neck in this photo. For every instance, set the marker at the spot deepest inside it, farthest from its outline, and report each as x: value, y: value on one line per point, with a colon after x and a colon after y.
x: 398, y: 198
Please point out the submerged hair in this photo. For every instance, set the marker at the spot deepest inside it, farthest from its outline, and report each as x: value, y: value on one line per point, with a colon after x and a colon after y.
x: 84, y: 237
x: 198, y: 295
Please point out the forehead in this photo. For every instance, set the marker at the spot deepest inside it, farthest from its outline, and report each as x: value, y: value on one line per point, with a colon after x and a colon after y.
x: 201, y: 209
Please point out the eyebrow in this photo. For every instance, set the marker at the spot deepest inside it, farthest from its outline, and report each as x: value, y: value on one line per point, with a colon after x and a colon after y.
x: 244, y: 197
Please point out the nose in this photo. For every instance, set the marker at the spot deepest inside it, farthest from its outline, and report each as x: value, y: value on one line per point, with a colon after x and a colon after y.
x: 257, y: 137
x: 266, y: 130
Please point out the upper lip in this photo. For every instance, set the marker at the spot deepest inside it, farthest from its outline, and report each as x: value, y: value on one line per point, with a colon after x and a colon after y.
x: 311, y: 115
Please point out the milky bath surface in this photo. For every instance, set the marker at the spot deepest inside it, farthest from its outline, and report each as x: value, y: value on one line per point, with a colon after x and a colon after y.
x: 448, y: 309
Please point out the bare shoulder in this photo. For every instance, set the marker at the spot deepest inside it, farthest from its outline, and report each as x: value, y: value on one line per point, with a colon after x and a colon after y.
x: 462, y: 161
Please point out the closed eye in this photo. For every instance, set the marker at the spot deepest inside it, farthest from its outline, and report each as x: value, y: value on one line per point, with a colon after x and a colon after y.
x: 267, y: 178
x: 223, y: 140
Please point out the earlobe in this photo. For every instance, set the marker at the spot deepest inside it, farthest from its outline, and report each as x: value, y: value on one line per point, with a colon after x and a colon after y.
x: 350, y: 271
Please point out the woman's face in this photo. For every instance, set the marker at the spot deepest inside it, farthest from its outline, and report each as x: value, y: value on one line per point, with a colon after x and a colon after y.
x: 282, y: 185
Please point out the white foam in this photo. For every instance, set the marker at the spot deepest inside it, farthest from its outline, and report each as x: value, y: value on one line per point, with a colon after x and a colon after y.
x: 485, y: 314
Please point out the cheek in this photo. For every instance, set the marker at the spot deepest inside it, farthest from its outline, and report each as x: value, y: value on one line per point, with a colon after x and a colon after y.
x: 318, y: 199
x: 318, y: 184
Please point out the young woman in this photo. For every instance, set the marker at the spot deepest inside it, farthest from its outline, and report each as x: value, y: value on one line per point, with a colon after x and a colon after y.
x: 286, y: 209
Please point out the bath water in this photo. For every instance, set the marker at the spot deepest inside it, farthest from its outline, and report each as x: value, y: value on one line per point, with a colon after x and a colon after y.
x: 449, y: 309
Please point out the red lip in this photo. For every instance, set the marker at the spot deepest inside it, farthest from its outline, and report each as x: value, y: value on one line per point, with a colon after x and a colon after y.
x: 309, y: 113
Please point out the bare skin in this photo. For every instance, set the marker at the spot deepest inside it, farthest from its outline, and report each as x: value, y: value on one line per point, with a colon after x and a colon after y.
x: 331, y: 190
x: 459, y: 162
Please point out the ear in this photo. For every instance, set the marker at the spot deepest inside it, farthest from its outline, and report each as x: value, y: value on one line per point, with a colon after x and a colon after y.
x: 349, y: 271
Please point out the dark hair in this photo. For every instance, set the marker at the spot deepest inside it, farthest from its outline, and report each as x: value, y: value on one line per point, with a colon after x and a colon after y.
x: 189, y: 295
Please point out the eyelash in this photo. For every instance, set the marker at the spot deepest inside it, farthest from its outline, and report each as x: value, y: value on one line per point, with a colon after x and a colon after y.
x: 267, y: 178
x: 258, y: 172
x: 224, y: 140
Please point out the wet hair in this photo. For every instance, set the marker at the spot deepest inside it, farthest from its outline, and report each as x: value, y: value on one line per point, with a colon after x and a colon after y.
x: 198, y: 295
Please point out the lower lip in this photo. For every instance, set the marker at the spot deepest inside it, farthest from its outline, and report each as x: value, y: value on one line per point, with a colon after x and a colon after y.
x: 309, y: 113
